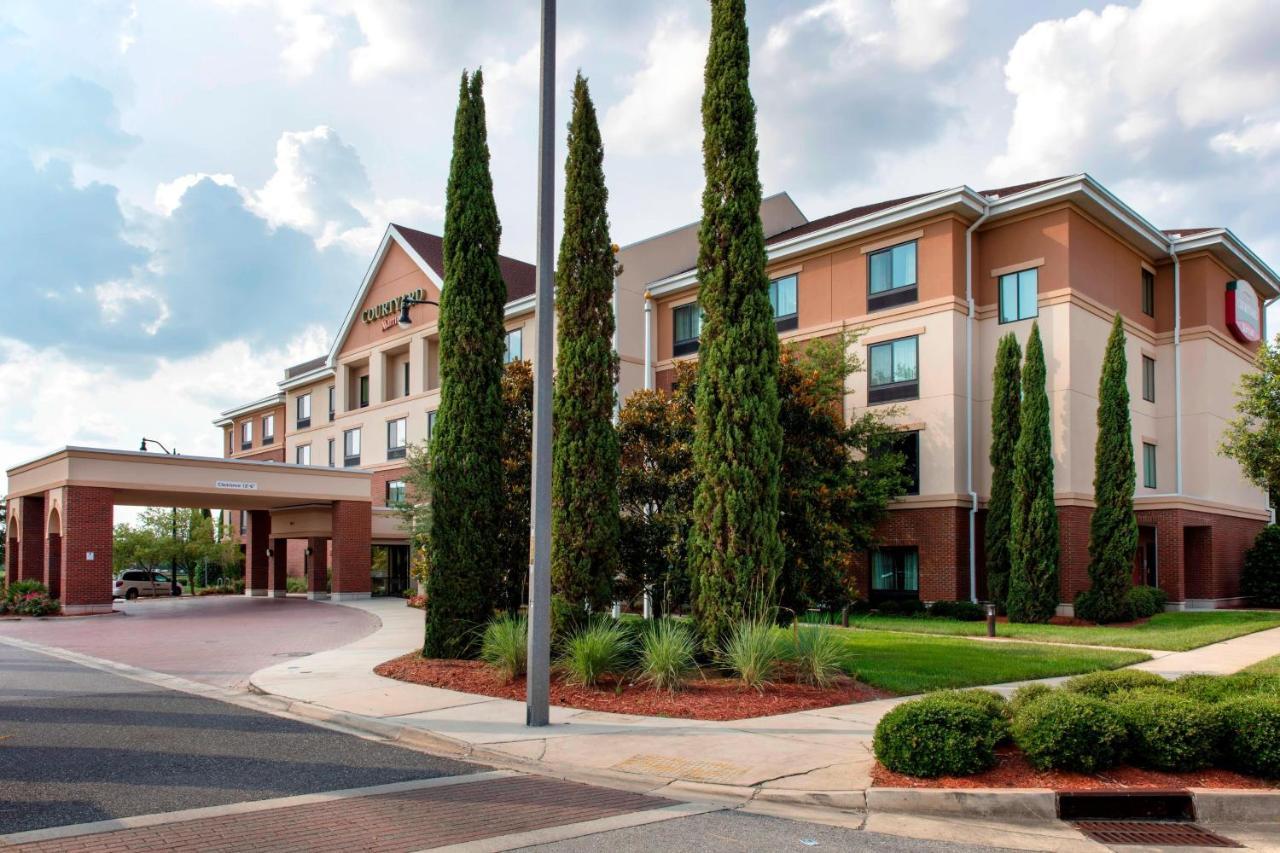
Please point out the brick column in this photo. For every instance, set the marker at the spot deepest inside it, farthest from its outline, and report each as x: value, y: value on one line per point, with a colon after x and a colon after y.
x: 318, y: 569
x: 352, y: 539
x: 87, y: 520
x: 257, y: 538
x: 53, y: 565
x: 31, y: 548
x: 278, y: 574
x: 11, y: 559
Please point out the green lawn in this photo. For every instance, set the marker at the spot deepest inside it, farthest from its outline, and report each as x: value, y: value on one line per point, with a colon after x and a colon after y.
x: 1270, y: 666
x: 911, y: 664
x: 1175, y: 632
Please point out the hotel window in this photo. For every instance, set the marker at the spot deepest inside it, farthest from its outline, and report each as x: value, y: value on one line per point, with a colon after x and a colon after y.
x: 395, y: 492
x: 431, y: 424
x: 894, y: 372
x: 895, y: 572
x: 396, y: 439
x: 246, y: 435
x: 907, y: 443
x: 231, y: 446
x: 304, y: 411
x: 244, y: 516
x: 1148, y: 379
x: 515, y: 346
x: 1148, y: 293
x: 364, y: 390
x: 782, y: 296
x: 333, y: 393
x: 351, y: 448
x: 687, y: 321
x: 1018, y: 293
x: 332, y: 460
x: 268, y: 429
x: 1148, y: 465
x: 302, y: 455
x: 406, y: 379
x: 891, y: 276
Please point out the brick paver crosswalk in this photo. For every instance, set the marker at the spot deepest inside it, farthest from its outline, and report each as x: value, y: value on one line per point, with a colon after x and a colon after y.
x: 386, y: 823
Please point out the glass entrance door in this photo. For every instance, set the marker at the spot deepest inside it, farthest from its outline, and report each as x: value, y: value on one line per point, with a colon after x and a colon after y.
x: 389, y: 573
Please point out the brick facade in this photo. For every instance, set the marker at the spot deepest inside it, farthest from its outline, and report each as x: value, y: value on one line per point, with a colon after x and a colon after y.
x: 352, y: 544
x: 257, y: 540
x: 941, y: 537
x: 31, y: 546
x: 278, y: 573
x: 318, y: 577
x: 88, y: 514
x: 1199, y: 555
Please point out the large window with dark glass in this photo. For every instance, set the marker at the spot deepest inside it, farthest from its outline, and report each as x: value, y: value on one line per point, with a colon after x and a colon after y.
x: 1148, y: 379
x: 1018, y: 295
x: 304, y: 411
x: 907, y: 445
x: 396, y: 439
x: 782, y: 296
x: 246, y: 435
x: 431, y: 423
x: 333, y: 393
x: 894, y: 373
x: 302, y: 454
x: 332, y: 461
x: 268, y: 429
x: 895, y: 573
x: 1149, y: 465
x: 687, y: 323
x: 891, y: 276
x: 1148, y: 293
x: 351, y: 448
x: 364, y: 390
x: 515, y: 346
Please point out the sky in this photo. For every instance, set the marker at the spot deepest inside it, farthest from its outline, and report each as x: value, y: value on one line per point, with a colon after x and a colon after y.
x: 193, y: 190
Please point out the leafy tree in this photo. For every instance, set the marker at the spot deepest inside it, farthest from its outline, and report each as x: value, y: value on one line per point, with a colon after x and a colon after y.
x: 517, y: 477
x: 584, y: 477
x: 837, y: 477
x: 1033, y: 525
x: 735, y: 553
x: 1260, y: 580
x: 1006, y: 424
x: 1253, y: 438
x: 655, y: 490
x: 1113, y: 528
x: 466, y: 466
x: 149, y: 544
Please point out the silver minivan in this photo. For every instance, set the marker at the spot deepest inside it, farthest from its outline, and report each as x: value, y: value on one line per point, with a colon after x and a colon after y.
x: 131, y: 584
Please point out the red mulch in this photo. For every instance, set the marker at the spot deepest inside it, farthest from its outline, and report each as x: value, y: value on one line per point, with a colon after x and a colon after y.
x: 1013, y: 771
x: 710, y: 698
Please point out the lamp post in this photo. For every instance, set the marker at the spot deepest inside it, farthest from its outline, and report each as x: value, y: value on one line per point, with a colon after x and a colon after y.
x: 407, y: 302
x: 173, y: 522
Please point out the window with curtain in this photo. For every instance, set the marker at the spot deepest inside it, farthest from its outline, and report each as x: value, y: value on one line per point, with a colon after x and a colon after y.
x: 687, y: 326
x: 895, y: 570
x: 891, y: 276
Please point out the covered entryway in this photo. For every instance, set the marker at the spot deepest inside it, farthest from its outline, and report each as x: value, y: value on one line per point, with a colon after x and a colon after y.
x: 61, y: 518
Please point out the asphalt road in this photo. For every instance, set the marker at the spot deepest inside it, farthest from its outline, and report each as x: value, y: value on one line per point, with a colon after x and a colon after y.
x: 80, y: 745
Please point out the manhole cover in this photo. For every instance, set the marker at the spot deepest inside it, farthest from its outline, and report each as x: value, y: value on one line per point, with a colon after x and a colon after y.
x: 682, y: 768
x: 291, y: 654
x: 1167, y: 833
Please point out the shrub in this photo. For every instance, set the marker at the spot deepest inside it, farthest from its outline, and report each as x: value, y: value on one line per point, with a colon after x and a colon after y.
x: 35, y: 603
x: 296, y: 584
x: 599, y: 648
x: 21, y: 589
x: 1069, y: 731
x: 939, y: 735
x: 1100, y: 685
x: 1168, y: 732
x: 1025, y: 695
x: 889, y: 608
x: 1260, y: 578
x: 859, y: 607
x: 988, y: 701
x: 666, y: 655
x: 1143, y: 602
x: 1218, y: 688
x: 418, y: 602
x: 505, y: 645
x: 964, y: 611
x: 818, y: 656
x: 752, y: 651
x: 1250, y: 727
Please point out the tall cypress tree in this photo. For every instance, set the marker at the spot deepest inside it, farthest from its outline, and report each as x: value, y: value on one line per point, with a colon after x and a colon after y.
x: 1033, y: 524
x: 735, y: 553
x: 584, y: 479
x: 464, y: 580
x: 1113, y: 529
x: 1006, y: 417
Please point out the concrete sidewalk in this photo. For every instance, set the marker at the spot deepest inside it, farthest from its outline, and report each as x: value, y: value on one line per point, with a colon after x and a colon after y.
x: 820, y: 757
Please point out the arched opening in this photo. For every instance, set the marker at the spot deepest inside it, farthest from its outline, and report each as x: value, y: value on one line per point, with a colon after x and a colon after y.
x: 12, y: 527
x: 53, y: 555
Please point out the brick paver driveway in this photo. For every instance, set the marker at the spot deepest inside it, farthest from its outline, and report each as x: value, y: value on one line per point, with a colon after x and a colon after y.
x: 218, y: 640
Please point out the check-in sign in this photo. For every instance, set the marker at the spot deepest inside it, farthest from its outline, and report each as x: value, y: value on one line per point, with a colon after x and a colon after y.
x: 236, y: 485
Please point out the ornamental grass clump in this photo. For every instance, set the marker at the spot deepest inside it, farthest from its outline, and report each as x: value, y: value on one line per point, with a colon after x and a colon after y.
x: 601, y: 647
x: 505, y: 645
x: 1070, y: 731
x: 1100, y: 685
x: 939, y: 735
x: 1167, y: 731
x: 818, y: 657
x: 1250, y: 727
x: 666, y: 655
x: 753, y: 651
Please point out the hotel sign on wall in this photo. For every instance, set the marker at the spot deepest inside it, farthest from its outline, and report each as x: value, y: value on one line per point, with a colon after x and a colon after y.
x: 1244, y: 314
x: 388, y: 312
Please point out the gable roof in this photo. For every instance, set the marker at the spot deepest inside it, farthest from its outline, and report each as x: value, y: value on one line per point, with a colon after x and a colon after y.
x: 520, y: 277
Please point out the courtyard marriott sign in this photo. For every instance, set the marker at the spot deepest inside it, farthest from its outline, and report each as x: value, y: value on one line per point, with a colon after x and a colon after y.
x: 390, y: 308
x: 1244, y: 315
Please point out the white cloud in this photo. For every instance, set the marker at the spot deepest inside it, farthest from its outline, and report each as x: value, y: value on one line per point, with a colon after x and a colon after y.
x: 308, y: 35
x: 927, y: 30
x: 660, y: 112
x: 168, y: 195
x: 1254, y: 139
x: 318, y: 177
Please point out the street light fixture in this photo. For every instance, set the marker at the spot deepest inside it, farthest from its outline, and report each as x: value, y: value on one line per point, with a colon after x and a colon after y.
x: 173, y: 521
x: 408, y: 302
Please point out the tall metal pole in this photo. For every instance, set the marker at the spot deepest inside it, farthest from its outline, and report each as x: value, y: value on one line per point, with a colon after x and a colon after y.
x: 537, y: 709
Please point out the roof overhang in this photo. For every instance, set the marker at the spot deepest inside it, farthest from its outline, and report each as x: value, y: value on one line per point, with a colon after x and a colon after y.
x: 1234, y: 255
x: 317, y: 375
x: 267, y: 402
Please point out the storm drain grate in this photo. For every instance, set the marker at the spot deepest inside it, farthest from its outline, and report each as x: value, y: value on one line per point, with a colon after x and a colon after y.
x: 1167, y: 833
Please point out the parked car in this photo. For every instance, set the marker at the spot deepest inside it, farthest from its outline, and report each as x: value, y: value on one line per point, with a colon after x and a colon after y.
x: 131, y: 584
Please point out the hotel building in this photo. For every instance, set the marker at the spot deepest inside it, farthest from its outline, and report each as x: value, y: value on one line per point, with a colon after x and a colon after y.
x: 931, y: 282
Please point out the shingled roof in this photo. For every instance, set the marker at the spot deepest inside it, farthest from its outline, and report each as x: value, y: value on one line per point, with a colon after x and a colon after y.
x: 518, y: 275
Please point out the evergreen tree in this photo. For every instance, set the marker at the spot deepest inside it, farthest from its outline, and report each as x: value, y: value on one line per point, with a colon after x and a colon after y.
x: 464, y: 580
x: 735, y: 553
x: 1113, y: 528
x: 1006, y: 416
x: 584, y: 478
x: 1033, y: 524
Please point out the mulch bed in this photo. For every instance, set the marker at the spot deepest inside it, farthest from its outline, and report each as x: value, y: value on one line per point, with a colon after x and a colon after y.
x: 710, y: 698
x: 1013, y: 771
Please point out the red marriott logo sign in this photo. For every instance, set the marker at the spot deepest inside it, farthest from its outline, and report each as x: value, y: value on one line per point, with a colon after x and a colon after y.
x: 1244, y: 314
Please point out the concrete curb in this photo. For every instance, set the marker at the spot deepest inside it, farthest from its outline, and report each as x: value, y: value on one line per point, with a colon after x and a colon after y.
x: 1216, y: 805
x: 1013, y: 804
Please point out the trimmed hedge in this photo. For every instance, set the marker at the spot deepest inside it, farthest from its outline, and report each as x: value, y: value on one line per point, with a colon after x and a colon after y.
x: 1070, y: 731
x: 962, y: 611
x: 1250, y: 727
x: 1026, y: 694
x: 1167, y: 731
x: 1100, y: 685
x: 939, y: 735
x: 1143, y: 602
x: 901, y: 607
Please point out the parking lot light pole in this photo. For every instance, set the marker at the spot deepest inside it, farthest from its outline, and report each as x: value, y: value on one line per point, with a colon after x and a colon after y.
x: 173, y: 523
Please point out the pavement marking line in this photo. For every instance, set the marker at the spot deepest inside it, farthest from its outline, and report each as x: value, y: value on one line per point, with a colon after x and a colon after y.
x: 567, y: 831
x: 54, y: 833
